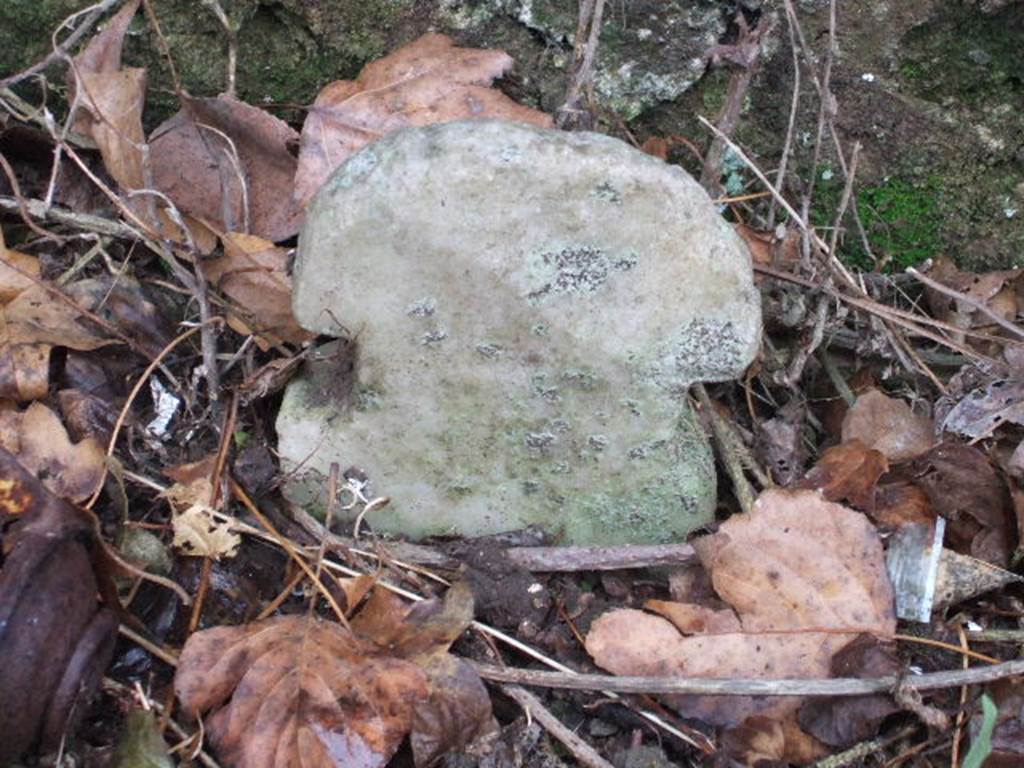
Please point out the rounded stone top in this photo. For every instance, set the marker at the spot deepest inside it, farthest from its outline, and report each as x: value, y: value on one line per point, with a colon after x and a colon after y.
x: 484, y: 221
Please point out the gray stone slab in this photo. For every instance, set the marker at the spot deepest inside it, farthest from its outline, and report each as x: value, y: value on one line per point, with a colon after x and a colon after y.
x: 528, y: 308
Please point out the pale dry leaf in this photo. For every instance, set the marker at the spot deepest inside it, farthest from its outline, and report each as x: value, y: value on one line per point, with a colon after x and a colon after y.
x: 797, y: 561
x: 198, y: 533
x: 996, y: 290
x: 797, y: 570
x: 983, y: 410
x: 109, y: 101
x: 36, y: 436
x: 193, y: 482
x: 16, y: 271
x: 428, y: 81
x: 228, y: 164
x: 693, y: 619
x: 253, y: 273
x: 888, y: 425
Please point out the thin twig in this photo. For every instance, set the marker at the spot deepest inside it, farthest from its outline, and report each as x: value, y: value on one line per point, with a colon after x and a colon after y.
x: 705, y: 686
x: 588, y: 32
x: 573, y: 559
x: 229, y: 30
x: 94, y: 13
x: 973, y: 303
x: 855, y: 755
x: 288, y: 547
x: 22, y: 209
x: 582, y: 752
x: 787, y: 145
x: 733, y: 465
x: 38, y: 209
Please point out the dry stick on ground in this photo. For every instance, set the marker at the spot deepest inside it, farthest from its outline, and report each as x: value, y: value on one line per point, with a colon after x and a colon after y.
x: 787, y: 145
x: 94, y: 13
x: 733, y: 465
x: 856, y: 754
x: 571, y: 115
x: 706, y: 686
x: 573, y: 559
x: 826, y: 113
x: 38, y: 209
x: 582, y: 752
x: 22, y: 209
x: 748, y: 48
x: 973, y: 303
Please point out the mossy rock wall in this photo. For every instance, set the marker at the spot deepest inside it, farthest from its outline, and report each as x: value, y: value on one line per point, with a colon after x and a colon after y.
x: 933, y: 90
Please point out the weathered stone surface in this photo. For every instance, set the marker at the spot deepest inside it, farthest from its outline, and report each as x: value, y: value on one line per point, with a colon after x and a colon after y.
x: 528, y: 308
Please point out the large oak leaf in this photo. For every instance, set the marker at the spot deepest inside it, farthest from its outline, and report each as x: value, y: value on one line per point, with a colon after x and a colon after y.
x: 428, y: 81
x: 297, y: 691
x: 804, y: 575
x: 294, y: 691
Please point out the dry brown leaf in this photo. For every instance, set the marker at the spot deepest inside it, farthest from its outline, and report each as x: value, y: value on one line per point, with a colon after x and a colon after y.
x: 24, y: 371
x: 198, y: 533
x: 798, y: 561
x: 124, y: 304
x: 840, y: 721
x: 692, y: 619
x: 965, y: 488
x: 428, y: 81
x: 109, y: 101
x: 16, y: 271
x: 767, y: 249
x: 888, y: 425
x: 293, y: 691
x: 297, y: 691
x: 796, y: 569
x: 36, y: 436
x: 847, y: 472
x: 36, y: 316
x: 87, y: 415
x: 355, y: 589
x: 253, y: 273
x: 228, y: 164
x: 898, y: 504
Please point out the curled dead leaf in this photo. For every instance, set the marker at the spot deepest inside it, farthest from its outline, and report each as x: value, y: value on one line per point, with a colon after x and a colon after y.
x: 253, y: 272
x: 198, y: 533
x: 24, y: 371
x: 36, y: 436
x: 296, y: 690
x: 16, y: 271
